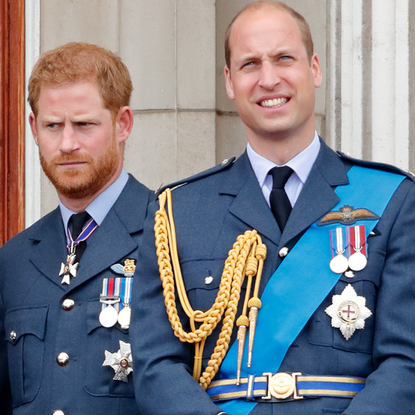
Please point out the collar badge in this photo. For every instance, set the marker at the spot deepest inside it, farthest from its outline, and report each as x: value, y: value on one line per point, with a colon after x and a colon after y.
x: 348, y: 312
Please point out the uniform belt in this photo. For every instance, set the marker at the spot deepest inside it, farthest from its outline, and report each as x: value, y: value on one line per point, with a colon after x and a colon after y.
x: 283, y: 387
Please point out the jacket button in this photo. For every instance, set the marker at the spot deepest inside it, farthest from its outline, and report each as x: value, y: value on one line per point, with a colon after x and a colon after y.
x: 208, y: 280
x: 62, y: 359
x: 68, y: 304
x: 283, y: 252
x: 12, y: 335
x: 58, y: 412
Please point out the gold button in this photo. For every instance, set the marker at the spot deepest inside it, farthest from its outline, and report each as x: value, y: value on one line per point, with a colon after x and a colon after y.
x: 12, y: 335
x: 68, y: 304
x: 283, y: 252
x: 58, y: 412
x: 62, y: 359
x: 208, y: 280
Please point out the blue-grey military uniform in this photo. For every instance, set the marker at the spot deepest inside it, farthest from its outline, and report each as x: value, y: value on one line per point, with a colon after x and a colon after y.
x: 210, y: 211
x: 45, y: 319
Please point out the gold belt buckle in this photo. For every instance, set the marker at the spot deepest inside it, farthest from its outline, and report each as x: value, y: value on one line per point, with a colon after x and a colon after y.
x: 282, y: 385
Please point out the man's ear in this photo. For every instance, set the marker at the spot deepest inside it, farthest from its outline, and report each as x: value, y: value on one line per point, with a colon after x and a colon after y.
x: 124, y: 123
x: 229, y: 84
x: 33, y: 127
x: 316, y: 69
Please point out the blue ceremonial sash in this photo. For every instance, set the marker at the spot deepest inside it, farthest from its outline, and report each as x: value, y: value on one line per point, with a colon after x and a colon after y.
x: 303, y: 281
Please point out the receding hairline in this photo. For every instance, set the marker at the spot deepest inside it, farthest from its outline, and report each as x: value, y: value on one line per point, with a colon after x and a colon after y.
x: 299, y: 20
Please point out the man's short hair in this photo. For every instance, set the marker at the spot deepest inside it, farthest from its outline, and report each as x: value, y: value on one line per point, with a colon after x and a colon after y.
x: 76, y: 62
x: 262, y: 4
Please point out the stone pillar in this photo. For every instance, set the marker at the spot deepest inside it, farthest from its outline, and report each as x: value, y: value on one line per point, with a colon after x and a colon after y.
x: 369, y: 64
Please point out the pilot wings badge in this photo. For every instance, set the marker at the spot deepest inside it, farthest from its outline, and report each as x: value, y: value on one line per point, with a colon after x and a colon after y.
x: 347, y: 215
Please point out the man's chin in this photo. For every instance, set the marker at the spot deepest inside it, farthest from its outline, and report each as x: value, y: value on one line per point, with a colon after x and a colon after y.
x: 75, y: 191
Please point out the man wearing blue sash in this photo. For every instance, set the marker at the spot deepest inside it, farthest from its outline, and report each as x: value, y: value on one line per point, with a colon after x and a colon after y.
x: 282, y: 282
x: 66, y: 282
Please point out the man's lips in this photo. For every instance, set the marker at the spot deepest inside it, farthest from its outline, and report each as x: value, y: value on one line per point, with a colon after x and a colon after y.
x: 70, y: 163
x: 273, y: 103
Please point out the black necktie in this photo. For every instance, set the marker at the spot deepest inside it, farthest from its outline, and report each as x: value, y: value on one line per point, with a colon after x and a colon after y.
x: 280, y: 204
x: 78, y: 221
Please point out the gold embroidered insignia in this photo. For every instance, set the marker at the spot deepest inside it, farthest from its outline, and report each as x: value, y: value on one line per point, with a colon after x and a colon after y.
x: 347, y: 215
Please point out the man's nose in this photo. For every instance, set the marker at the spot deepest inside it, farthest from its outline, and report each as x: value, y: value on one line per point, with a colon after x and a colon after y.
x: 269, y: 75
x: 69, y: 141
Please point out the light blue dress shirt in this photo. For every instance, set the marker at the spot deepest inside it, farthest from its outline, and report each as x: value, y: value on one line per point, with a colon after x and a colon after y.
x: 301, y: 164
x: 101, y: 205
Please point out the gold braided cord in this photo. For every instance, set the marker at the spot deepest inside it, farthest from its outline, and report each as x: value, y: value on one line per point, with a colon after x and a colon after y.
x: 244, y: 259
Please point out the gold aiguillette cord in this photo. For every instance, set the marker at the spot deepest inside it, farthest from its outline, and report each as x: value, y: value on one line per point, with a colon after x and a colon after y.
x: 245, y: 259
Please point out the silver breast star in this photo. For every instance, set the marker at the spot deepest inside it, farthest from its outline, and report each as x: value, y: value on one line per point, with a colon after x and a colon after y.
x: 121, y: 361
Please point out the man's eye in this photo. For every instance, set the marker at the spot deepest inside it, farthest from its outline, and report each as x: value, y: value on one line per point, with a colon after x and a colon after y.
x: 52, y: 125
x: 248, y: 64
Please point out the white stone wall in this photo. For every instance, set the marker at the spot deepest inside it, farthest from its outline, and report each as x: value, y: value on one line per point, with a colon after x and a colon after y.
x: 184, y: 122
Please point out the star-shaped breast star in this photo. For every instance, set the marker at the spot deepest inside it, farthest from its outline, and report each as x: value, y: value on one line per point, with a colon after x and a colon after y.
x: 348, y: 312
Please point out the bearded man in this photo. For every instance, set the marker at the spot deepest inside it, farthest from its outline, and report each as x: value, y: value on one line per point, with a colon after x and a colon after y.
x: 66, y: 281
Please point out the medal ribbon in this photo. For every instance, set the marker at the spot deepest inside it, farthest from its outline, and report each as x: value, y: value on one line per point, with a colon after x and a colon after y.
x: 293, y: 294
x: 338, y: 241
x: 126, y: 289
x: 87, y: 231
x: 109, y: 289
x: 117, y: 292
x: 358, y: 239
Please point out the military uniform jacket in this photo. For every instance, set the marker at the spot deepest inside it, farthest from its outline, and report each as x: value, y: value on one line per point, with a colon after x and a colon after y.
x: 32, y: 297
x: 210, y: 211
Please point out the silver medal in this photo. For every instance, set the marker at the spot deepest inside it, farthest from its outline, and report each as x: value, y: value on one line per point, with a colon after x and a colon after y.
x: 124, y: 317
x: 108, y: 316
x: 339, y: 264
x: 357, y: 261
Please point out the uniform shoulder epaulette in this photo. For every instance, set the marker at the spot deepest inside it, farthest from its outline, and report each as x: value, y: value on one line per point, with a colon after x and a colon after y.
x: 376, y: 165
x: 225, y: 164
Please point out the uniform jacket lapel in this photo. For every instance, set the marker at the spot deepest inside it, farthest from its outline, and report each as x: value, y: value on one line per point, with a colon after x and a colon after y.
x: 113, y: 240
x: 316, y: 198
x: 318, y: 195
x: 249, y: 204
x: 49, y: 246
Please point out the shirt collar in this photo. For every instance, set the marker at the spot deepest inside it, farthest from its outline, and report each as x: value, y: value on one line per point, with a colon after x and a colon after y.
x: 301, y: 163
x: 101, y: 205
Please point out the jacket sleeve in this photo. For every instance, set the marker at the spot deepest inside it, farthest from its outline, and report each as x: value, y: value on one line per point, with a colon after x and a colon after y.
x: 5, y: 393
x: 162, y: 363
x: 390, y: 387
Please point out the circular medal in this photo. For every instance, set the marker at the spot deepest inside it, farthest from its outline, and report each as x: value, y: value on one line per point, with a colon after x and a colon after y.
x: 339, y: 264
x: 124, y: 317
x: 108, y: 316
x: 357, y: 261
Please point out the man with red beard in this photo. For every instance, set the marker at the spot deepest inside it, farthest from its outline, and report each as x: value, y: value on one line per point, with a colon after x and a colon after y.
x: 66, y: 281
